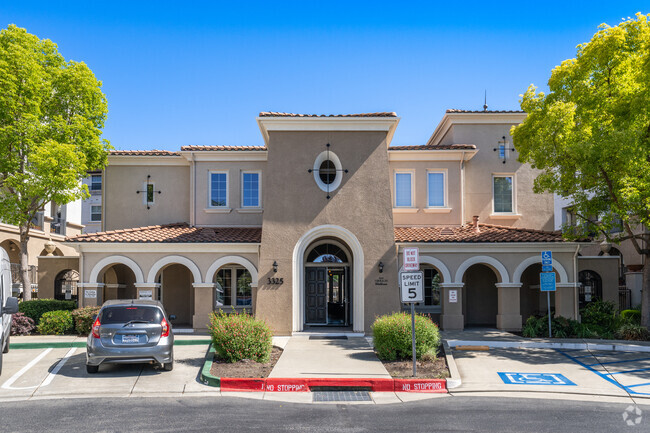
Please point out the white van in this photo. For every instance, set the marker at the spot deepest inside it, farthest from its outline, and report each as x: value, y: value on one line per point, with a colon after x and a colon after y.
x: 8, y: 305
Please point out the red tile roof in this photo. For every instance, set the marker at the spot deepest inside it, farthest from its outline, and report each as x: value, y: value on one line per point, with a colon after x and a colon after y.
x: 466, y: 233
x: 153, y: 152
x: 221, y: 148
x: 455, y: 110
x: 436, y: 147
x: 175, y: 233
x: 278, y: 114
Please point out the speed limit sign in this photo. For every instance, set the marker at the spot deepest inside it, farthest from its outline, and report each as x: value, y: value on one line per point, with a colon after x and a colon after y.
x: 412, y: 286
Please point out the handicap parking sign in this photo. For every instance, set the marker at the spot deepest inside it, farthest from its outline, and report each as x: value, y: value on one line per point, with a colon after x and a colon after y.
x: 535, y: 379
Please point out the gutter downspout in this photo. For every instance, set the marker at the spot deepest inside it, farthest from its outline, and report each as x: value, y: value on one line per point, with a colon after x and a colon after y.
x: 192, y: 191
x: 462, y: 189
x: 575, y: 282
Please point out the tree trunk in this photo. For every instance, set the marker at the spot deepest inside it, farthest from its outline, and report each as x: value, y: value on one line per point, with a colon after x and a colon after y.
x: 24, y: 264
x: 645, y: 294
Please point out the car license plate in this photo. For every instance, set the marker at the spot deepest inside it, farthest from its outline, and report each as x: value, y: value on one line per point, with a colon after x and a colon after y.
x: 130, y: 339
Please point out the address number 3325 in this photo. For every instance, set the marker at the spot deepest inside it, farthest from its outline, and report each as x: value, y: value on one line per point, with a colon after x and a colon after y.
x: 276, y: 280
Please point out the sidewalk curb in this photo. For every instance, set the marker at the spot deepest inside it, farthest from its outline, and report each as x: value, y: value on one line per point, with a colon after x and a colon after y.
x: 297, y: 384
x: 455, y: 380
x: 615, y: 347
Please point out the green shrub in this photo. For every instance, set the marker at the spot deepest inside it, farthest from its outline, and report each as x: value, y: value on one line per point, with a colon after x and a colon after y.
x: 35, y: 308
x: 392, y: 336
x: 600, y: 317
x: 55, y: 323
x: 631, y: 316
x: 240, y: 336
x: 21, y: 324
x: 83, y: 319
x: 631, y: 331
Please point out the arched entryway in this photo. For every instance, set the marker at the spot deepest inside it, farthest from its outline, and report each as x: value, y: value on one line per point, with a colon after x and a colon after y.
x: 328, y: 295
x: 591, y: 287
x: 480, y: 296
x: 119, y: 282
x: 532, y: 301
x: 65, y: 285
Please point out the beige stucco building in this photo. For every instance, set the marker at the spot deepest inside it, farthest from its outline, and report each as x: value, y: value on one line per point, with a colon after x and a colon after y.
x: 308, y: 230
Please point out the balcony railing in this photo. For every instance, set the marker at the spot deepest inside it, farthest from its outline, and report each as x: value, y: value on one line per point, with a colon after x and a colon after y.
x: 15, y: 274
x: 58, y: 226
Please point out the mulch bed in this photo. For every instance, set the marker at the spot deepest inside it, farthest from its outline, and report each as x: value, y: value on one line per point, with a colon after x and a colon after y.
x: 426, y: 369
x: 245, y: 368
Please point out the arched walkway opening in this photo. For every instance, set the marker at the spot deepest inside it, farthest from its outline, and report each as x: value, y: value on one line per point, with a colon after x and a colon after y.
x: 13, y: 250
x: 176, y: 291
x: 119, y: 282
x: 532, y: 301
x: 480, y: 296
x: 65, y: 285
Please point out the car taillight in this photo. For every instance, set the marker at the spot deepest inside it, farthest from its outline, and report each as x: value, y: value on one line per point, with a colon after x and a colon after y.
x: 96, y: 326
x: 165, y: 328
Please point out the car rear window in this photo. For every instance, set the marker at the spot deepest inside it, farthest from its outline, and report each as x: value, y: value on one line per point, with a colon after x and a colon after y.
x: 125, y: 314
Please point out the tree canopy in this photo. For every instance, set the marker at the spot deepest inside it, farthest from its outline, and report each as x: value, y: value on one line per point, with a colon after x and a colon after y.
x: 590, y: 135
x: 52, y: 112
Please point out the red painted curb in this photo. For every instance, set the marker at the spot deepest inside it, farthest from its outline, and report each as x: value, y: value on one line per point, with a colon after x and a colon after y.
x: 275, y: 384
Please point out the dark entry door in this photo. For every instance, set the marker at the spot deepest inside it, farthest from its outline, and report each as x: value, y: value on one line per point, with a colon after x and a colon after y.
x: 316, y: 295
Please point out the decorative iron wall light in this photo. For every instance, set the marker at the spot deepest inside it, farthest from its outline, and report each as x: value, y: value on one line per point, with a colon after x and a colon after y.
x: 149, y: 191
x: 381, y: 267
x: 275, y: 266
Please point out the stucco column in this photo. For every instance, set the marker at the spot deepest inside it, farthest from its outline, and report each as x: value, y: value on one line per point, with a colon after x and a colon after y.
x: 509, y: 313
x: 452, y: 307
x: 96, y: 289
x: 147, y: 290
x: 566, y: 299
x: 203, y: 305
x: 253, y: 299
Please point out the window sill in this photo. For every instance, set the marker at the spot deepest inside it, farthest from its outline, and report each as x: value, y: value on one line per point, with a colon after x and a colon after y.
x: 437, y: 209
x: 405, y: 210
x: 218, y: 210
x: 250, y: 210
x: 505, y: 216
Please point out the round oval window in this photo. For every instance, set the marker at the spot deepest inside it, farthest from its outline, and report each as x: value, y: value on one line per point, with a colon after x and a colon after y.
x: 327, y: 172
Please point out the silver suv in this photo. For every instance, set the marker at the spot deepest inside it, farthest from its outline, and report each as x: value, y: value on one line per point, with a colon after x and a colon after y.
x: 131, y: 331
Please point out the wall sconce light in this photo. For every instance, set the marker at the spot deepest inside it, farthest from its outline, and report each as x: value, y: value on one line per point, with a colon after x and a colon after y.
x: 381, y: 267
x: 275, y: 266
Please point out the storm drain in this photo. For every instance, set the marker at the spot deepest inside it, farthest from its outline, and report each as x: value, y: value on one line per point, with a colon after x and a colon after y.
x: 341, y: 396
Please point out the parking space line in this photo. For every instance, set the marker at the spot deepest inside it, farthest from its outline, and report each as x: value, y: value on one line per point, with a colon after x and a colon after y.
x: 605, y: 376
x: 639, y: 384
x: 629, y: 371
x: 618, y: 362
x: 58, y: 366
x: 15, y: 377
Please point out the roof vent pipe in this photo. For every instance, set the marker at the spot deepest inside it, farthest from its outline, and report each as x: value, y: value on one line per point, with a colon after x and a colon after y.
x: 475, y: 224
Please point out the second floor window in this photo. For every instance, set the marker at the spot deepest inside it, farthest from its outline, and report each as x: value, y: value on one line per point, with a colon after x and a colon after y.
x: 502, y: 188
x: 218, y: 189
x: 436, y: 189
x: 95, y: 213
x: 95, y: 183
x: 403, y: 190
x: 250, y: 189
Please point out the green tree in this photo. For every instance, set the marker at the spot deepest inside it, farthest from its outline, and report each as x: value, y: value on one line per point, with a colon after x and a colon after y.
x: 590, y: 136
x: 51, y: 115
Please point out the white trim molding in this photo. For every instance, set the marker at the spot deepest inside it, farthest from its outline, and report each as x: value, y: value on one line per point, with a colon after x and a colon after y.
x: 338, y: 177
x: 223, y: 261
x: 115, y: 260
x: 174, y: 260
x: 358, y: 273
x: 516, y: 277
x: 411, y: 173
x: 439, y: 265
x: 482, y: 260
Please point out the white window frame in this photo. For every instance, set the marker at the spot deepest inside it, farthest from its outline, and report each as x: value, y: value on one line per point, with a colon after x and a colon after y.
x: 91, y: 213
x: 91, y: 183
x: 445, y: 188
x: 514, y: 193
x: 233, y: 289
x: 259, y: 188
x: 210, y: 173
x: 412, y: 174
x: 145, y: 190
x: 338, y: 177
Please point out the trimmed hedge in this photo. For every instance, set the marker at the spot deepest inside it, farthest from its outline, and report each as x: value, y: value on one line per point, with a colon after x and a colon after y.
x: 56, y: 323
x: 83, y: 319
x: 392, y: 336
x: 35, y: 308
x: 631, y: 316
x: 240, y: 336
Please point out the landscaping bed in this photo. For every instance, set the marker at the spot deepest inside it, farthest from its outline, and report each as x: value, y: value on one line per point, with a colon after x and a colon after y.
x: 245, y: 368
x: 427, y: 368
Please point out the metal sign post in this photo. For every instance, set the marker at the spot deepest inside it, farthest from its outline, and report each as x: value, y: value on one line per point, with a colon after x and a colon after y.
x: 547, y: 283
x: 412, y: 291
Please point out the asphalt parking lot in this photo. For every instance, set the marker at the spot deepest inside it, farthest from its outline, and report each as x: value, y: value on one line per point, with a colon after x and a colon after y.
x: 578, y: 372
x: 61, y: 372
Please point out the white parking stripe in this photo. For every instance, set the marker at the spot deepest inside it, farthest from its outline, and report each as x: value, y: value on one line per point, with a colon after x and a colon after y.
x: 12, y: 379
x: 56, y: 369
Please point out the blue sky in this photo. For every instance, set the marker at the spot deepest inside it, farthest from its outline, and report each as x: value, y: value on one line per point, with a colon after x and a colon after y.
x: 178, y: 73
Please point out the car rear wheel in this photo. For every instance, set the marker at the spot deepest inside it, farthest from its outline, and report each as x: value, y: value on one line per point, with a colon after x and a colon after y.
x: 169, y: 366
x: 92, y: 369
x: 6, y: 348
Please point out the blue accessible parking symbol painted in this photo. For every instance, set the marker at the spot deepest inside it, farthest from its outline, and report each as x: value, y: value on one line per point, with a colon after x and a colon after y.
x: 534, y: 379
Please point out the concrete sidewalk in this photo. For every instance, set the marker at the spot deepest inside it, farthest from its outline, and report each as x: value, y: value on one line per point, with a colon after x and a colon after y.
x: 333, y: 358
